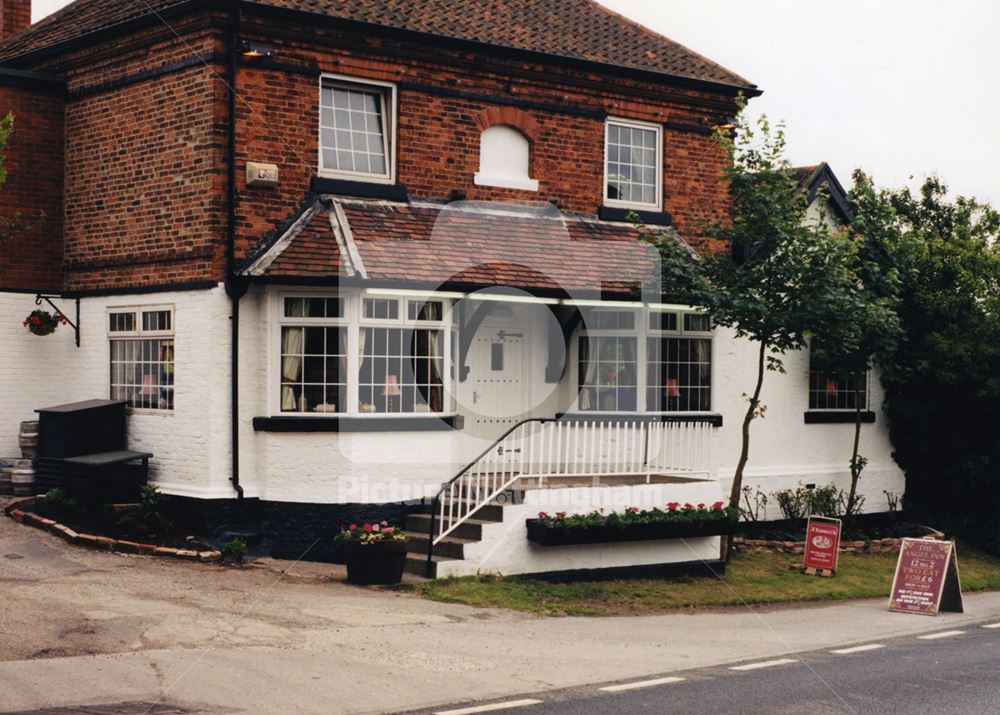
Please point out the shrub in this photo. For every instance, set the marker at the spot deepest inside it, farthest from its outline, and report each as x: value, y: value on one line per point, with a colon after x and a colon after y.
x: 234, y: 551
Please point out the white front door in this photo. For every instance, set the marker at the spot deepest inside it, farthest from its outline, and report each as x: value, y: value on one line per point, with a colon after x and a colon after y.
x: 493, y: 395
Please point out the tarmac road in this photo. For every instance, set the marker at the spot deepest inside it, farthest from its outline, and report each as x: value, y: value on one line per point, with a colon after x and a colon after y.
x: 88, y: 628
x: 958, y: 673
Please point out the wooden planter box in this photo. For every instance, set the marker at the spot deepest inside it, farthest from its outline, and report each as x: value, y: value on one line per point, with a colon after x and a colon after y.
x: 378, y: 563
x: 544, y: 535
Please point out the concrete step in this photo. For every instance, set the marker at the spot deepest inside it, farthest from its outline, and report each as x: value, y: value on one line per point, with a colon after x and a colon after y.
x: 468, y: 529
x: 417, y: 564
x: 488, y: 512
x: 449, y: 546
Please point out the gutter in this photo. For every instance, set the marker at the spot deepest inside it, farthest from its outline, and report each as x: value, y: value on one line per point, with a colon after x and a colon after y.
x: 236, y: 287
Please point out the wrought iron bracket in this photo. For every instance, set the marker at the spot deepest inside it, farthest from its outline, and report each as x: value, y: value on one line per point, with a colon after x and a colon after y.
x: 75, y: 325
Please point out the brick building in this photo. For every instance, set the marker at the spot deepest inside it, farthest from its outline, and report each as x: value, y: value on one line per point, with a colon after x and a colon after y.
x: 330, y: 252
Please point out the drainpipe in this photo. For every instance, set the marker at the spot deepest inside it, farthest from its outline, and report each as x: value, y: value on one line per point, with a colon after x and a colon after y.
x: 236, y: 287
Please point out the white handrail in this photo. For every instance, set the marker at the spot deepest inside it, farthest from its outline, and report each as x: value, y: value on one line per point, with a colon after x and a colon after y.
x: 540, y: 449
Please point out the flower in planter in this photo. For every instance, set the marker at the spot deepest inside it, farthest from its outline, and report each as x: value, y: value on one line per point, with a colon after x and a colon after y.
x: 42, y: 322
x: 371, y: 533
x: 672, y: 506
x: 701, y: 505
x: 718, y: 505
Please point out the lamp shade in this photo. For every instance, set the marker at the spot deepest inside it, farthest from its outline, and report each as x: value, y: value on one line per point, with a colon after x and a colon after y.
x: 391, y: 388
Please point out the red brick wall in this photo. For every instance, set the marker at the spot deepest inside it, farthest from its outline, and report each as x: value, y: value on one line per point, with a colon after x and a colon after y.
x: 144, y: 172
x: 32, y: 259
x: 145, y: 161
x: 438, y: 136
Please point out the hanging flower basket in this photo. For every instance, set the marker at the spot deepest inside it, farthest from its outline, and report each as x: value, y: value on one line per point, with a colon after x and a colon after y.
x: 42, y: 322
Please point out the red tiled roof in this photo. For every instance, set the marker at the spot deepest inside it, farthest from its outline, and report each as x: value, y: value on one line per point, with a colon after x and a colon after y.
x: 467, y: 244
x: 578, y: 29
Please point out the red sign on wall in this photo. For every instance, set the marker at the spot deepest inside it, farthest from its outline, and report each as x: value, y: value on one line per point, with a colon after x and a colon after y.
x: 822, y: 543
x: 926, y: 578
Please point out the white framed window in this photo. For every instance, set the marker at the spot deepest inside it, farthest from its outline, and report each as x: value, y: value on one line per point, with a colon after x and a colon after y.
x: 644, y: 360
x: 313, y: 354
x: 835, y: 390
x: 359, y: 354
x: 633, y: 164
x: 357, y: 129
x: 142, y: 356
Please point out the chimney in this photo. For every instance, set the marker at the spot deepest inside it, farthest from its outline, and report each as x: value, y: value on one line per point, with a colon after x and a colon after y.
x: 15, y: 15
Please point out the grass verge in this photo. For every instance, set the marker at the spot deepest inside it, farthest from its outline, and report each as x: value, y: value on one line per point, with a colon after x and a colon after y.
x: 757, y: 578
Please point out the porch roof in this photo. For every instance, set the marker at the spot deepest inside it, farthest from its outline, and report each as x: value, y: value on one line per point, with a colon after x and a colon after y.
x: 533, y: 247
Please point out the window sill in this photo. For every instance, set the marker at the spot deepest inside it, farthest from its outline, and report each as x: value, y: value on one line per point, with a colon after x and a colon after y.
x: 831, y: 417
x: 403, y: 423
x: 649, y: 215
x: 505, y: 182
x: 359, y: 188
x: 713, y: 418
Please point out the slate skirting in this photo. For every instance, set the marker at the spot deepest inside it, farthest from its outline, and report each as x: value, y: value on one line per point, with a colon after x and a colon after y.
x: 544, y: 535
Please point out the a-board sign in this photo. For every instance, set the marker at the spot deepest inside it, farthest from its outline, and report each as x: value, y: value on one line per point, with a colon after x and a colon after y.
x: 926, y: 579
x: 822, y: 543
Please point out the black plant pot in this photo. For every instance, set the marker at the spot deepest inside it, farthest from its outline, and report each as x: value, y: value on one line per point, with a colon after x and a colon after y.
x: 540, y: 533
x: 381, y: 562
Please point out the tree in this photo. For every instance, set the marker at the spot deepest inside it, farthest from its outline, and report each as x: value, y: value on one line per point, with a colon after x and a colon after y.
x: 942, y: 377
x: 9, y: 225
x: 868, y: 327
x: 792, y: 276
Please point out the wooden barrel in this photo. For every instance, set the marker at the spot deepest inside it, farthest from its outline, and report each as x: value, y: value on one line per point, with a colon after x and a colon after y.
x: 22, y: 477
x: 27, y: 440
x: 6, y: 467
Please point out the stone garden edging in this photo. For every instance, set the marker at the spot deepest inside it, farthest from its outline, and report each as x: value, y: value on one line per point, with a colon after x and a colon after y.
x: 18, y: 511
x: 874, y: 546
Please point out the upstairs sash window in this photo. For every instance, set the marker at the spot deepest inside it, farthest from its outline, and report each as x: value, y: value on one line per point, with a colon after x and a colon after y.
x: 356, y: 131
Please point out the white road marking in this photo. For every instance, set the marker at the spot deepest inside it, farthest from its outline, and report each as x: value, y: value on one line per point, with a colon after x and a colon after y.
x: 764, y: 664
x: 489, y: 708
x: 858, y: 649
x: 992, y: 625
x: 942, y: 634
x: 641, y: 684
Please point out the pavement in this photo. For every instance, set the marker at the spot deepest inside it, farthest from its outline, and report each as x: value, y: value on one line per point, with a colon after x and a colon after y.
x: 126, y: 632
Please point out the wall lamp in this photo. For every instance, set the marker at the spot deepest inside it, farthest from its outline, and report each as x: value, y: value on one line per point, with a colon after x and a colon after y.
x: 253, y: 50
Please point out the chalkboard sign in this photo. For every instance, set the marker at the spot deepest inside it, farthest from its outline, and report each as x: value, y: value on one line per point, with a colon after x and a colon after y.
x: 822, y: 544
x: 926, y: 580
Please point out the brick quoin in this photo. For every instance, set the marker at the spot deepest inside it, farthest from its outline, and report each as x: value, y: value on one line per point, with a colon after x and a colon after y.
x: 15, y: 15
x: 145, y: 131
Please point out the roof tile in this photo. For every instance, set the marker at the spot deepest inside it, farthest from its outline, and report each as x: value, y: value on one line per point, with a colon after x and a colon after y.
x: 577, y: 29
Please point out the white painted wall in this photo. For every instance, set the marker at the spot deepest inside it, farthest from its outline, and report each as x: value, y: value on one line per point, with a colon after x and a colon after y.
x: 506, y: 550
x: 190, y: 443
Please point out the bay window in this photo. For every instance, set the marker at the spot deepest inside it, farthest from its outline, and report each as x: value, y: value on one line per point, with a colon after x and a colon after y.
x: 363, y: 355
x: 675, y: 348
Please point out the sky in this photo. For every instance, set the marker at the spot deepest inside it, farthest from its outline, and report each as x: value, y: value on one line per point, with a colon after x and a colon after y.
x: 900, y: 88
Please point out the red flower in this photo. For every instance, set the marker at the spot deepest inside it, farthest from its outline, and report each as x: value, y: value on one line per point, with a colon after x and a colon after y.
x: 688, y: 505
x: 542, y: 515
x: 717, y: 506
x: 634, y: 509
x: 352, y: 527
x: 26, y: 322
x: 35, y: 320
x: 367, y: 527
x: 701, y: 505
x: 672, y: 506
